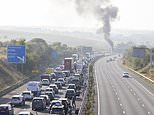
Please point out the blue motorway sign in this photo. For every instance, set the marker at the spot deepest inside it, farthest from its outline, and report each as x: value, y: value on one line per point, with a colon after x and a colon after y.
x: 16, y: 54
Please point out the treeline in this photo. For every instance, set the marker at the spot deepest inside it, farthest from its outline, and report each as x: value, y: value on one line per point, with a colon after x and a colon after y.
x: 40, y: 54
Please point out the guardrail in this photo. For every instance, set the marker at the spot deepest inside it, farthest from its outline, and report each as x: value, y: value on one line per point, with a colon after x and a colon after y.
x: 141, y: 75
x: 82, y: 109
x: 16, y: 85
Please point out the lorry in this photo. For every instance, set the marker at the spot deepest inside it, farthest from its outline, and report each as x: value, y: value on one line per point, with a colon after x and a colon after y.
x: 68, y: 64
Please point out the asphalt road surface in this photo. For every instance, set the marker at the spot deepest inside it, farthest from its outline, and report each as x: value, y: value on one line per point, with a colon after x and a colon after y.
x: 6, y: 98
x: 121, y: 96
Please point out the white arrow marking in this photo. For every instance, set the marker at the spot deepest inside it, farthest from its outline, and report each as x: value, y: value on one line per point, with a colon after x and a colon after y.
x: 21, y: 58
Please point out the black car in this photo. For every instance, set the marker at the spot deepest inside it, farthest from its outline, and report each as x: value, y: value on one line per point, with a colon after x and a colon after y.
x: 70, y: 93
x: 50, y: 94
x: 38, y: 103
x: 59, y: 84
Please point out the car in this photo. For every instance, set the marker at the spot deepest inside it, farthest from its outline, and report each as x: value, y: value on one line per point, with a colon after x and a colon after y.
x: 45, y: 82
x: 59, y: 84
x: 38, y: 103
x: 126, y: 74
x: 72, y: 86
x: 6, y: 109
x: 17, y: 100
x: 67, y: 73
x: 47, y: 99
x: 59, y: 74
x: 28, y: 95
x: 50, y: 94
x: 50, y: 89
x: 55, y: 103
x: 25, y: 113
x: 64, y: 100
x: 70, y: 93
x: 55, y: 88
x: 57, y: 110
x: 62, y: 81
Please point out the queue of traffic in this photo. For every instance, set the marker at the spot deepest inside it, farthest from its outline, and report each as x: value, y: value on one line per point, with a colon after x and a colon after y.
x: 43, y: 93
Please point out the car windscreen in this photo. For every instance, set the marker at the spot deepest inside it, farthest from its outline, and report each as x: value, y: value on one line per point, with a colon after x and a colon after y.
x: 37, y: 101
x: 3, y: 109
x: 26, y: 93
x: 16, y: 98
x: 71, y: 87
x: 57, y: 110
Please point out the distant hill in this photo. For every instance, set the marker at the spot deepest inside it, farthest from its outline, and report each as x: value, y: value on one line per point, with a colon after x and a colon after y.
x: 70, y: 38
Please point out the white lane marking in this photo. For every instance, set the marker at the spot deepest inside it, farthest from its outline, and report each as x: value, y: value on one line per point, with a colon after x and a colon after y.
x: 97, y: 94
x: 120, y: 104
x: 144, y: 88
x: 142, y: 105
x: 138, y: 99
x: 134, y: 94
x: 118, y: 98
x: 116, y: 93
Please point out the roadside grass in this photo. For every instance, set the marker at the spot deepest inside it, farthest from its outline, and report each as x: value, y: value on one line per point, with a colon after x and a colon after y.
x: 91, y: 92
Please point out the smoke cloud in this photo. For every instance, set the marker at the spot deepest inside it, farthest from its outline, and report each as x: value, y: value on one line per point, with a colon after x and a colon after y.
x: 102, y: 11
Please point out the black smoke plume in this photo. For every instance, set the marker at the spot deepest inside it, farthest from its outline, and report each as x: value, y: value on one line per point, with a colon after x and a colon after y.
x: 102, y: 11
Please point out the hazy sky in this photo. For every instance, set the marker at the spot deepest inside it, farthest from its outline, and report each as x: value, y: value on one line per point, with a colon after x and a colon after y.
x: 133, y: 14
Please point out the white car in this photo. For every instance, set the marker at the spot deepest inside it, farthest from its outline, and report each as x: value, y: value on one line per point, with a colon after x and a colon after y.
x: 45, y: 82
x: 50, y: 89
x: 18, y: 100
x: 126, y: 74
x: 62, y: 81
x: 55, y: 103
x: 25, y: 113
x: 28, y: 95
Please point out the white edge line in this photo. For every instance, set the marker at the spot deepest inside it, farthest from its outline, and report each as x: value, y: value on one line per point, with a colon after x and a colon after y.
x: 97, y: 95
x: 144, y: 88
x: 141, y: 75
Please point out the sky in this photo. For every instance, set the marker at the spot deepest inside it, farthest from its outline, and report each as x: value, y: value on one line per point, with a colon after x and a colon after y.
x: 133, y: 14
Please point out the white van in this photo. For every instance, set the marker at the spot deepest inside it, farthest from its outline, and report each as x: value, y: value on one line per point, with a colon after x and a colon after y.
x: 34, y: 87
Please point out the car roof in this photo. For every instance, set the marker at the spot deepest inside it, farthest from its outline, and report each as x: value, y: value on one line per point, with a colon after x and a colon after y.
x: 49, y: 88
x: 45, y: 79
x: 17, y: 96
x: 26, y: 92
x: 62, y: 98
x: 52, y: 85
x: 56, y: 101
x: 70, y: 90
x: 54, y: 106
x: 38, y: 98
x: 4, y: 105
x: 24, y: 112
x: 48, y: 92
x: 44, y: 95
x: 70, y: 84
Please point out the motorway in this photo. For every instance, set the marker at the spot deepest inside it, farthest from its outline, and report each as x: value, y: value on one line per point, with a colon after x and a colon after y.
x: 121, y: 96
x: 6, y: 98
